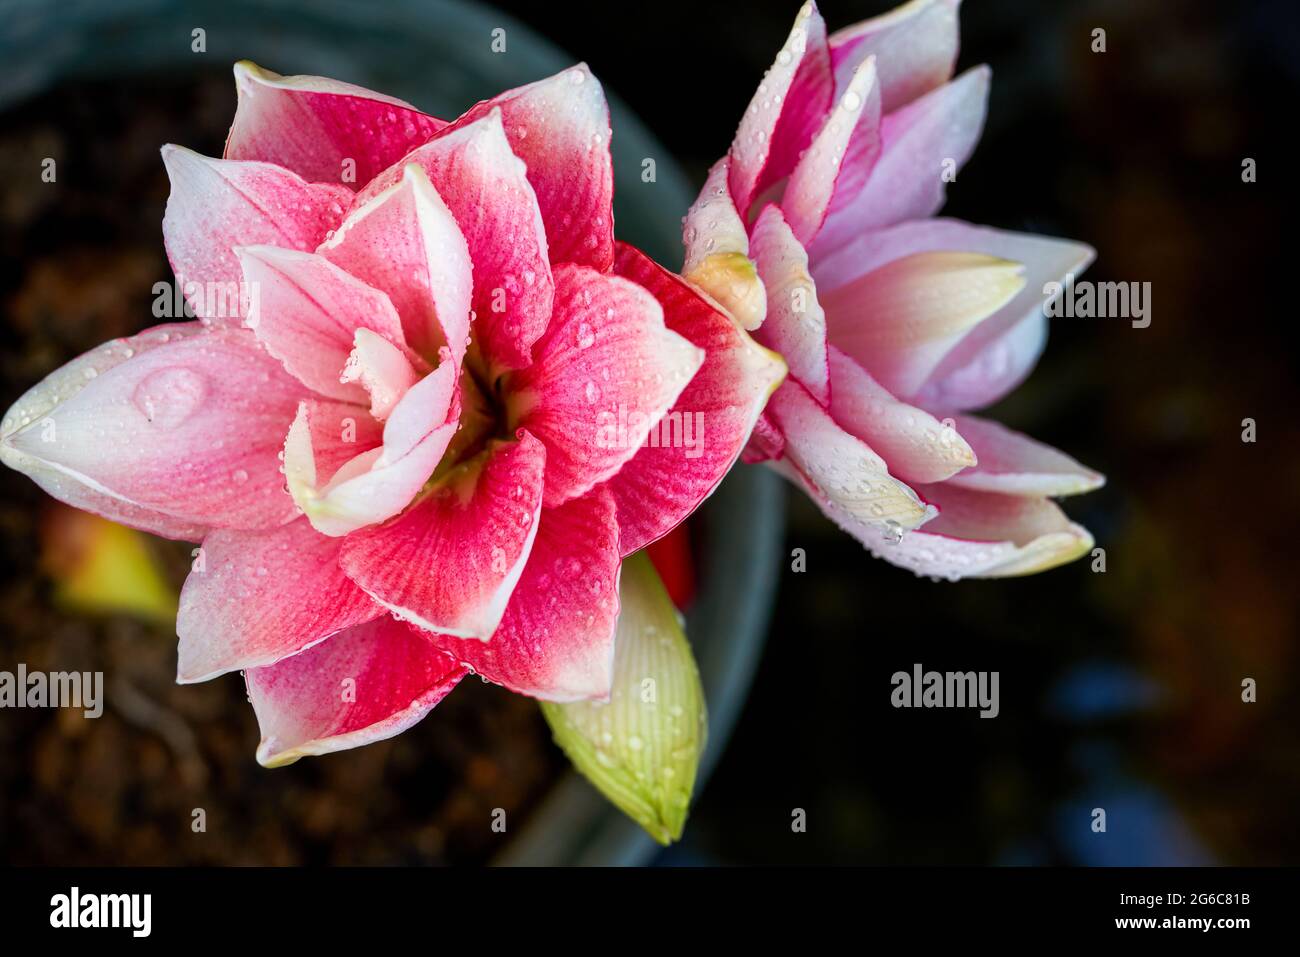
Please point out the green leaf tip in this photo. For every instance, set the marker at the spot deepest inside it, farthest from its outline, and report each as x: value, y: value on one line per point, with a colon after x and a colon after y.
x: 641, y: 748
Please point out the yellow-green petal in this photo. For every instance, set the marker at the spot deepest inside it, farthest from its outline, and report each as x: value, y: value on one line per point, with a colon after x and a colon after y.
x: 641, y: 749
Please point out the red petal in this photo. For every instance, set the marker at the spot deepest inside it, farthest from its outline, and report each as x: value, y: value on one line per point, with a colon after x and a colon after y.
x: 363, y: 685
x: 664, y: 483
x: 484, y: 186
x: 258, y: 597
x: 314, y: 126
x: 556, y: 639
x: 404, y: 241
x: 559, y: 127
x: 605, y: 373
x: 450, y: 562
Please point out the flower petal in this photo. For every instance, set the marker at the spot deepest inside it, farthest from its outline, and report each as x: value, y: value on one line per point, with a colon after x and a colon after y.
x: 795, y: 326
x: 915, y: 47
x: 382, y: 368
x: 324, y: 130
x: 901, y: 319
x: 835, y: 168
x: 486, y: 188
x: 257, y: 597
x: 766, y: 442
x: 605, y: 373
x: 556, y: 639
x: 36, y: 404
x: 403, y: 240
x: 785, y: 113
x: 717, y: 251
x: 559, y: 127
x: 338, y: 432
x: 922, y: 146
x: 451, y: 562
x: 997, y: 353
x: 642, y: 748
x: 844, y: 476
x: 175, y: 430
x: 1013, y: 463
x: 363, y: 685
x: 307, y: 312
x: 917, y: 446
x: 991, y: 371
x: 377, y: 482
x: 665, y: 481
x: 216, y: 205
x: 986, y: 535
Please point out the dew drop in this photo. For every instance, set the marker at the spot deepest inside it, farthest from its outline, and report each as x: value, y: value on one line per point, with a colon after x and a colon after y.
x: 167, y: 397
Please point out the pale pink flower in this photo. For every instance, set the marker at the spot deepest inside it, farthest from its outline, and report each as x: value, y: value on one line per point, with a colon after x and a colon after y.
x: 386, y: 426
x: 815, y: 230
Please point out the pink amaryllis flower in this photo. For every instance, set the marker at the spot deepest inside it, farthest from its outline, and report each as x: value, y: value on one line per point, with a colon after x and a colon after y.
x: 410, y: 424
x: 816, y: 230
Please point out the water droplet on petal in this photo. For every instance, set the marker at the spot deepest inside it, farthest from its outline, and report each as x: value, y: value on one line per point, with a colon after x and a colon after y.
x: 167, y: 397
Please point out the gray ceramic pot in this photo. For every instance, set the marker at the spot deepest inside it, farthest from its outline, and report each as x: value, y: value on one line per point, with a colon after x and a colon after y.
x: 437, y: 54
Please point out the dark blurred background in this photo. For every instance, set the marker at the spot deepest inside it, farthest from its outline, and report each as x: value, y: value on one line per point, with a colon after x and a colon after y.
x: 1119, y: 690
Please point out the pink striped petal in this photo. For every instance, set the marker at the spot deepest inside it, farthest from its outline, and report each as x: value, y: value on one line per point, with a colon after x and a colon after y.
x: 923, y: 144
x: 324, y: 130
x: 1013, y: 463
x: 363, y: 685
x: 795, y: 326
x: 307, y: 312
x: 339, y: 432
x: 835, y: 168
x: 605, y: 373
x: 664, y: 482
x: 258, y: 597
x: 839, y: 471
x: 217, y: 205
x: 403, y: 240
x: 376, y: 483
x: 717, y: 251
x: 451, y: 562
x: 178, y: 428
x: 559, y: 127
x: 485, y: 187
x: 900, y: 320
x: 556, y: 639
x: 785, y: 113
x: 986, y: 535
x: 917, y: 446
x: 36, y: 404
x: 915, y: 47
x: 995, y: 356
